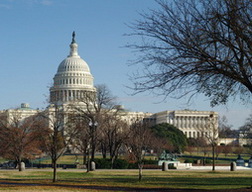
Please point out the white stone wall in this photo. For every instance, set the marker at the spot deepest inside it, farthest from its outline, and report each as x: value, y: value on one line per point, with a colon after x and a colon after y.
x: 194, y: 124
x: 19, y: 113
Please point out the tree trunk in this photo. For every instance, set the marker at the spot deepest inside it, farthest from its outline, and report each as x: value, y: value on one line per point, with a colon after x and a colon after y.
x: 104, y: 151
x: 213, y: 159
x: 85, y: 157
x: 54, y: 164
x: 112, y: 162
x: 92, y: 153
x: 19, y: 164
x: 140, y: 172
x: 88, y: 161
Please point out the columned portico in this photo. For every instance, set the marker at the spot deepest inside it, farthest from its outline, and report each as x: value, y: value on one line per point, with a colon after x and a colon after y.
x: 193, y: 124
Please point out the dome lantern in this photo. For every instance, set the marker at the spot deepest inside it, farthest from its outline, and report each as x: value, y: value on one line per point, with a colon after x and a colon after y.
x: 73, y: 77
x: 73, y: 47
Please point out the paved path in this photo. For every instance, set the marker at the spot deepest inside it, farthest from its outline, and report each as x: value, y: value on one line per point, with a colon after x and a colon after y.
x: 224, y: 168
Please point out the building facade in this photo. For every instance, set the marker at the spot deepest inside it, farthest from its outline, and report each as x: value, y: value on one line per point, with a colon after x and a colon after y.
x: 18, y: 114
x: 193, y: 124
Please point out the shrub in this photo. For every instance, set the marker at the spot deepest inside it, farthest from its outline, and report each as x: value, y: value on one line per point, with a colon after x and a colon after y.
x: 189, y: 161
x: 171, y: 166
x: 102, y: 163
x: 133, y: 166
x: 106, y: 164
x: 208, y: 161
x: 121, y: 164
x: 152, y: 167
x: 150, y: 162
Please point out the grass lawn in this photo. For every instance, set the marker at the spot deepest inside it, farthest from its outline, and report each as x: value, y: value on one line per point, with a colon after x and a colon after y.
x: 117, y: 180
x: 65, y: 159
x: 72, y: 159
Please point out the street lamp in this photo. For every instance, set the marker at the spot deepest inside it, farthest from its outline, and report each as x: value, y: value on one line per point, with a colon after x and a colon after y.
x: 213, y: 137
x: 92, y: 127
x: 88, y: 163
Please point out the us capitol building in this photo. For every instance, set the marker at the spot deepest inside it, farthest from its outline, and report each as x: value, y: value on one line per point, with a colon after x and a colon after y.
x: 74, y: 79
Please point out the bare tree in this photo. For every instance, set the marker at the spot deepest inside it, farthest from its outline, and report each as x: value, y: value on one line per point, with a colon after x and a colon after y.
x: 60, y: 136
x: 114, y: 132
x: 209, y: 133
x: 219, y: 150
x: 140, y: 140
x: 198, y: 143
x: 212, y: 137
x: 247, y: 127
x: 225, y: 130
x: 195, y: 46
x: 93, y: 108
x: 246, y: 131
x: 227, y: 149
x: 21, y: 137
x: 80, y: 141
x: 238, y: 150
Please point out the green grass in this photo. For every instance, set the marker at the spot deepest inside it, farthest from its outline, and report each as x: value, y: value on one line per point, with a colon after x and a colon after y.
x: 66, y: 159
x: 72, y: 159
x: 73, y: 178
x: 2, y: 160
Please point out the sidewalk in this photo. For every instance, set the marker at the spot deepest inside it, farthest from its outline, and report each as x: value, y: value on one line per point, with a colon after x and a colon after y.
x: 226, y: 168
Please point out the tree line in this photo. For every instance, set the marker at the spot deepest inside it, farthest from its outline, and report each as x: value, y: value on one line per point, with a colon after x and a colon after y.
x: 93, y: 123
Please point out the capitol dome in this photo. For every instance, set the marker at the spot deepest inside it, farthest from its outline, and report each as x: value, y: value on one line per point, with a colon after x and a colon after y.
x: 73, y: 77
x: 73, y: 64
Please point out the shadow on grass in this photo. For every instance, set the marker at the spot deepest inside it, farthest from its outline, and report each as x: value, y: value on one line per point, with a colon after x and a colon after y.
x: 113, y: 182
x: 172, y: 183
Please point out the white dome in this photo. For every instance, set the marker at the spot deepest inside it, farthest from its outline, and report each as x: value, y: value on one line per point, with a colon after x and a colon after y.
x: 73, y: 64
x: 73, y: 76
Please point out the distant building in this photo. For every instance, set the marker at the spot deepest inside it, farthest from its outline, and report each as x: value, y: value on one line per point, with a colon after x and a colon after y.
x: 18, y: 114
x: 73, y: 80
x: 230, y: 141
x: 193, y: 124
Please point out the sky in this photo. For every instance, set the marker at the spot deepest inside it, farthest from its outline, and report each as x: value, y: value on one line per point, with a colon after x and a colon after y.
x: 35, y: 37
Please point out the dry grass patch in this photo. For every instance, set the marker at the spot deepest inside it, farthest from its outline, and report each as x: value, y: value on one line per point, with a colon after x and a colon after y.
x: 78, y: 180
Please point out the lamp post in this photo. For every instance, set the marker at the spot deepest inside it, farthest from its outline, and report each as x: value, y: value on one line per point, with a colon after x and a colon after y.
x: 213, y: 138
x: 88, y: 160
x: 92, y: 127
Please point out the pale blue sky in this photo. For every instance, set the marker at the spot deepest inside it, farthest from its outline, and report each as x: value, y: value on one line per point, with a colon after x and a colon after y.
x: 35, y: 37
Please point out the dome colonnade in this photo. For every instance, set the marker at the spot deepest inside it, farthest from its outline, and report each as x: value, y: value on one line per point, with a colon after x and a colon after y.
x: 73, y: 79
